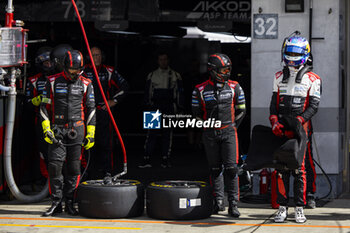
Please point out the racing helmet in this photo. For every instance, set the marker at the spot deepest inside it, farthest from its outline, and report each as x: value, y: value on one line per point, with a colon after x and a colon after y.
x: 57, y: 56
x: 43, y: 62
x: 219, y: 67
x: 295, y: 51
x: 73, y: 64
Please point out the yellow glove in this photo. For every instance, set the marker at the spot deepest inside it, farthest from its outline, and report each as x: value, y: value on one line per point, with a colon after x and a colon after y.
x: 90, y: 137
x: 36, y: 101
x: 48, y: 134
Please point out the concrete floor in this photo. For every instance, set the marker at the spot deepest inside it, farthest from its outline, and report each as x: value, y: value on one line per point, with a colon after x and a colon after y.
x: 333, y: 217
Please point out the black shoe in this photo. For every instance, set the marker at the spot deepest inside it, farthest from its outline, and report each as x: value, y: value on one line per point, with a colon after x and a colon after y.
x: 107, y: 180
x: 56, y: 207
x: 311, y: 202
x: 69, y: 208
x: 165, y: 162
x: 218, y: 206
x: 146, y: 163
x: 233, y: 211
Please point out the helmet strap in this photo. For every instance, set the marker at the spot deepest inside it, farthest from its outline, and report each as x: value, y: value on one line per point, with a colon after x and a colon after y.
x: 286, y: 74
x: 301, y: 72
x: 71, y: 77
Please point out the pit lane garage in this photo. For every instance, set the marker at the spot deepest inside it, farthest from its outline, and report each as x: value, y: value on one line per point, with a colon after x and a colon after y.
x: 131, y: 34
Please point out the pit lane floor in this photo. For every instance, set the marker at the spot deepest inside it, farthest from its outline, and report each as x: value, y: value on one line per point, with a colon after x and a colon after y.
x: 333, y: 217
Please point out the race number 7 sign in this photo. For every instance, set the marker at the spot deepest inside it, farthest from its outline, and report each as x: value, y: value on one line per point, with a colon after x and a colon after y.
x: 265, y: 26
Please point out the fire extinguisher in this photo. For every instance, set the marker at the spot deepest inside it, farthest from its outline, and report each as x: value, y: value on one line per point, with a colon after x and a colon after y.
x: 264, y: 176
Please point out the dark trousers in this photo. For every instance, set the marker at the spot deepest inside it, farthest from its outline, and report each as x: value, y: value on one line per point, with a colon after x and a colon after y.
x: 310, y: 168
x: 42, y: 148
x: 221, y: 147
x: 299, y: 187
x: 102, y: 153
x: 300, y: 181
x: 65, y: 186
x: 151, y: 142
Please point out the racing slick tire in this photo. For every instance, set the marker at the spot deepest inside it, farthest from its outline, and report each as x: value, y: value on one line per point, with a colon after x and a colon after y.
x: 124, y: 198
x: 176, y: 200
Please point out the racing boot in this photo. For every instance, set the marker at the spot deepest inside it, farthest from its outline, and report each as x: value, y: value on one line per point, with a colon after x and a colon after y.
x: 311, y: 202
x: 282, y: 214
x: 233, y: 210
x: 56, y: 207
x: 69, y: 208
x: 146, y: 163
x: 218, y: 206
x: 299, y: 214
x: 165, y: 163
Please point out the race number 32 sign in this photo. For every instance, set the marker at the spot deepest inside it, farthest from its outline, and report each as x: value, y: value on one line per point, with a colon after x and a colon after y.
x: 265, y: 26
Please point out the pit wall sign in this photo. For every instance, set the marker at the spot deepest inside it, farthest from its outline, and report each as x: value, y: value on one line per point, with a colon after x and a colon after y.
x: 265, y: 26
x: 221, y: 10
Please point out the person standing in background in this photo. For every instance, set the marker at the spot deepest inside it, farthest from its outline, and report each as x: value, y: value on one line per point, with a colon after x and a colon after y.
x: 163, y: 92
x: 115, y: 89
x: 34, y: 93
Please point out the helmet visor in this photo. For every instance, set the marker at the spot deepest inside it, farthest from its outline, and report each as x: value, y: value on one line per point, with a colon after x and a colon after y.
x: 74, y: 73
x: 43, y: 57
x: 224, y: 70
x: 295, y: 49
x: 47, y: 64
x: 291, y: 54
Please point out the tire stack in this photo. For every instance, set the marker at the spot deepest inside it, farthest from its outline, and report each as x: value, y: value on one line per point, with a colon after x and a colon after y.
x: 171, y: 200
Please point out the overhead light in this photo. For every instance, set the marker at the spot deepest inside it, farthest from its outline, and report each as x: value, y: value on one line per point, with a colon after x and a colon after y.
x: 124, y: 32
x: 163, y: 36
x: 195, y: 32
x: 294, y: 6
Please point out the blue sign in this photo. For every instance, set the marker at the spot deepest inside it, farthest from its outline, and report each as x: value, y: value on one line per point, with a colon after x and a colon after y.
x: 151, y: 120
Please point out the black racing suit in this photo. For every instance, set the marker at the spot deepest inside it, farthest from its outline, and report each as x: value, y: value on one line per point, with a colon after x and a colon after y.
x: 164, y: 92
x: 224, y: 102
x: 114, y: 87
x: 72, y: 107
x: 294, y: 97
x: 35, y: 86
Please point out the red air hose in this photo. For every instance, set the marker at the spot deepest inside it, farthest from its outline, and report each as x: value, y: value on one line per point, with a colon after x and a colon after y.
x: 99, y: 84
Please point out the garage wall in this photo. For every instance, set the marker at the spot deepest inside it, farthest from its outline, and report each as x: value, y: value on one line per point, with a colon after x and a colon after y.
x: 2, y: 131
